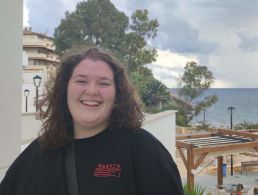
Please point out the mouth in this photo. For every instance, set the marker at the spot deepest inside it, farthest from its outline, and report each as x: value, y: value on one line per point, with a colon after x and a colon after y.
x: 90, y: 102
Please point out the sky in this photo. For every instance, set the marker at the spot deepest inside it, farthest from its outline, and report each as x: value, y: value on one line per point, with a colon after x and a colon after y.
x: 219, y: 34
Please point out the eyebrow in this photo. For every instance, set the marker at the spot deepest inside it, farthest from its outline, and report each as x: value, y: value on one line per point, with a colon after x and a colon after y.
x: 85, y: 76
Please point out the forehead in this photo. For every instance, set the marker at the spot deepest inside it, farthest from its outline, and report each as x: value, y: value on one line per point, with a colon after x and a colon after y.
x: 89, y: 67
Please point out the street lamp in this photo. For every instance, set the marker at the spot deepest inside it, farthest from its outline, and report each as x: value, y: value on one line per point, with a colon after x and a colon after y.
x: 204, y: 110
x: 231, y: 109
x: 26, y: 93
x: 37, y: 80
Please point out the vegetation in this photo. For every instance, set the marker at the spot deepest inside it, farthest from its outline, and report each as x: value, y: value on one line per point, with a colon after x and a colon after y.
x: 195, y: 80
x: 99, y: 23
x: 207, y: 127
x: 155, y: 94
x: 246, y: 125
x: 198, y: 190
x: 156, y: 109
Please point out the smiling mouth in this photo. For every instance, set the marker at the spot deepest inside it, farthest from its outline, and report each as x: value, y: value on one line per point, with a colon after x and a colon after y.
x: 90, y: 102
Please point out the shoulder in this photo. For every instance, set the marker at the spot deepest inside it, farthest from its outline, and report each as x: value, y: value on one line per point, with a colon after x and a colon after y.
x: 154, y: 165
x: 146, y: 147
x: 141, y: 138
x: 27, y: 158
x: 143, y: 135
x: 32, y: 149
x: 19, y: 167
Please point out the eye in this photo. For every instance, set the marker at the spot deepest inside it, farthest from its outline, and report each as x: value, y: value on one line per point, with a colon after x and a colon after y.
x: 105, y: 84
x: 81, y: 81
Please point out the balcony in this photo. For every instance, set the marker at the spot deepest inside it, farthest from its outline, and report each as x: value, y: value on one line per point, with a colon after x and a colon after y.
x: 40, y: 56
x: 39, y: 43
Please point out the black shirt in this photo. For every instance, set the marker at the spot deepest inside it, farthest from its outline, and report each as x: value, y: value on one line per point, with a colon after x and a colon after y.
x: 125, y: 163
x: 110, y: 163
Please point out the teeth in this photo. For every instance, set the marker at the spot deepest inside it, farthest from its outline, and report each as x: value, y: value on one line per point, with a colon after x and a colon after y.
x: 90, y: 102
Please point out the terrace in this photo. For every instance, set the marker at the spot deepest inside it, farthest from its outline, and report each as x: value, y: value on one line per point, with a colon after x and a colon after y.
x: 194, y: 148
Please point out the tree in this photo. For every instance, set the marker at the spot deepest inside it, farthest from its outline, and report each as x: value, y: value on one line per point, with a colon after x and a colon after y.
x: 139, y: 82
x: 194, y: 81
x: 142, y: 29
x: 156, y: 93
x: 99, y: 23
x: 95, y: 22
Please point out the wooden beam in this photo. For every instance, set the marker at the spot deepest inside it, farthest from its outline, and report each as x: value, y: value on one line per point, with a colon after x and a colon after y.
x: 182, y: 156
x: 200, y: 160
x: 238, y: 133
x: 180, y: 144
x: 256, y: 149
x: 250, y: 130
x: 192, y: 136
x: 225, y: 147
x: 220, y: 171
x: 213, y: 142
x: 190, y: 165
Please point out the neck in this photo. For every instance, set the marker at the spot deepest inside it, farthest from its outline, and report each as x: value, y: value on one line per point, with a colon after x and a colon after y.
x: 80, y: 133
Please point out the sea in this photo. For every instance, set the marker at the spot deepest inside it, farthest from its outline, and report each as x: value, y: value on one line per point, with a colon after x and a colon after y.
x: 244, y: 100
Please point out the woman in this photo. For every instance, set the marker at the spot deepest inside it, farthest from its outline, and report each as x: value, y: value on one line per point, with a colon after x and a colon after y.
x: 91, y: 141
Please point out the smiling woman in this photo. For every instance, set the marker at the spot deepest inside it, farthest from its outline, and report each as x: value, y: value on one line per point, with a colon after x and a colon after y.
x: 91, y: 97
x: 91, y: 141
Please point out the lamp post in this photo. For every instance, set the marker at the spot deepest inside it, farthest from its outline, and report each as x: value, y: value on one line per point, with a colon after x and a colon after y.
x: 37, y: 80
x: 231, y: 109
x: 26, y: 94
x: 204, y: 110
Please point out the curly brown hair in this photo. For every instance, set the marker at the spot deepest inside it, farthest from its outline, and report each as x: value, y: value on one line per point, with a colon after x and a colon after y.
x: 57, y: 128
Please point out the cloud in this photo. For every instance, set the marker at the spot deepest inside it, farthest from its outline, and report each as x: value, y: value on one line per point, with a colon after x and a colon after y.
x: 175, y: 33
x: 169, y: 66
x: 25, y: 14
x: 220, y: 34
x: 45, y: 15
x: 222, y: 83
x: 248, y: 43
x: 237, y: 69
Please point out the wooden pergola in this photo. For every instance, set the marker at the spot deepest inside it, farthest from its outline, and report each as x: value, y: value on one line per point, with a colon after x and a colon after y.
x: 193, y: 148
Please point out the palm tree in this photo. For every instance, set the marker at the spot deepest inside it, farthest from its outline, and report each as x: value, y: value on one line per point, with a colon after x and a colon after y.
x: 156, y: 94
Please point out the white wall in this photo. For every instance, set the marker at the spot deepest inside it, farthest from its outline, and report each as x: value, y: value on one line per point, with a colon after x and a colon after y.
x: 30, y: 127
x: 10, y: 81
x: 163, y: 126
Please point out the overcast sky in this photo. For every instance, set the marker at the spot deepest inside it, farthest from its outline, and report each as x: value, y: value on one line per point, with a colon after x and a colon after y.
x: 221, y: 34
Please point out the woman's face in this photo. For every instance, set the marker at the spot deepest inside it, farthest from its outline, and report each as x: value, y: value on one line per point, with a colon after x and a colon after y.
x: 90, y: 97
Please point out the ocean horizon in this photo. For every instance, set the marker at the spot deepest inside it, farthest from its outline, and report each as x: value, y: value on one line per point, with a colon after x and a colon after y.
x: 244, y: 100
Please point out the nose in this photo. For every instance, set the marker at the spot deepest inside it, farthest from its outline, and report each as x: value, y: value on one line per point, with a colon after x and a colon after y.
x: 91, y: 89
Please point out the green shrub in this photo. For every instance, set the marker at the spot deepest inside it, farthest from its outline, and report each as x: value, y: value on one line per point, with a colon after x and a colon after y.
x: 198, y: 190
x: 246, y: 125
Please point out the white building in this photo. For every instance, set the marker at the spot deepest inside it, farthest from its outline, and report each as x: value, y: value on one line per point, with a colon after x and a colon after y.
x: 40, y: 49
